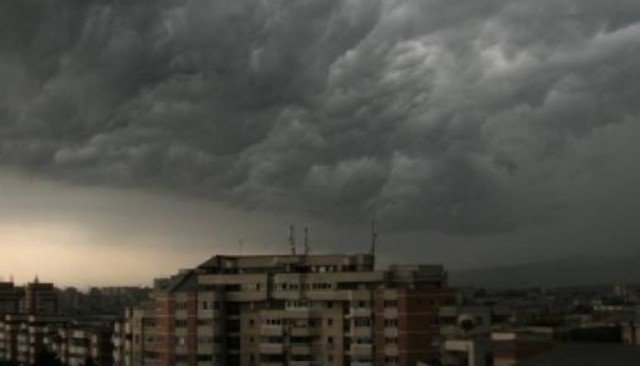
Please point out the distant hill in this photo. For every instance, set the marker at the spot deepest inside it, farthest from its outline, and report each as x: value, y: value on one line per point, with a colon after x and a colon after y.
x: 575, y: 271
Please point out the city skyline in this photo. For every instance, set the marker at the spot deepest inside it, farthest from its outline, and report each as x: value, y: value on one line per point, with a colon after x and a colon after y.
x: 139, y: 137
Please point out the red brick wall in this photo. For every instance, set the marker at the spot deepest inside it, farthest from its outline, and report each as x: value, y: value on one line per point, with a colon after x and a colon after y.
x: 165, y: 325
x: 192, y: 328
x: 417, y: 322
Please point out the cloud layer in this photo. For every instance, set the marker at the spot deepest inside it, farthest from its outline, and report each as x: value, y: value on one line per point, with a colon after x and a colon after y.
x: 461, y: 117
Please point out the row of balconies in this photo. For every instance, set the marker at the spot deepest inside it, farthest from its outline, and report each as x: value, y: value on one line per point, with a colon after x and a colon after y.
x: 307, y: 349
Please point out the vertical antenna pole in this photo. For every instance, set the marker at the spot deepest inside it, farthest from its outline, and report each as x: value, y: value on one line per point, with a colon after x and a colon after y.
x: 307, y: 249
x: 374, y: 236
x: 292, y: 239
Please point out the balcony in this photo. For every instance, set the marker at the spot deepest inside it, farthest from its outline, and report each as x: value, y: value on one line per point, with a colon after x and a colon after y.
x: 299, y: 363
x: 448, y: 312
x: 391, y: 332
x: 359, y: 312
x: 210, y: 314
x: 361, y: 349
x: 360, y: 332
x: 271, y: 330
x: 391, y: 349
x: 300, y: 349
x: 271, y: 348
x: 75, y: 350
x: 390, y: 313
x: 305, y: 331
x: 361, y: 363
x: 449, y: 330
x: 23, y: 349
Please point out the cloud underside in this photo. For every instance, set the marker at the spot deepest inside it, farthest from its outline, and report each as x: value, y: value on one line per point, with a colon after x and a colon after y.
x: 462, y: 117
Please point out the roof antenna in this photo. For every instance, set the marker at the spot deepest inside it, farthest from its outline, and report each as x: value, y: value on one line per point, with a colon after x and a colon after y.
x: 307, y: 249
x: 292, y: 239
x: 374, y: 236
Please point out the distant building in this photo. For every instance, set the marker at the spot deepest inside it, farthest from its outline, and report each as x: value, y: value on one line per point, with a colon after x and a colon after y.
x: 36, y: 298
x: 287, y: 309
x: 31, y: 327
x: 10, y: 298
x: 40, y: 299
x: 24, y: 339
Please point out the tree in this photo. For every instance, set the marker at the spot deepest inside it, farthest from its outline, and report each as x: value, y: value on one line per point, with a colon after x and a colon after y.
x: 48, y: 358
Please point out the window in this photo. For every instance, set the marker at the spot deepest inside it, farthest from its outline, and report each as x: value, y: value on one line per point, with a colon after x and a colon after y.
x: 363, y: 341
x: 391, y: 360
x: 151, y: 355
x: 205, y: 340
x: 391, y: 322
x: 330, y: 321
x: 181, y: 323
x: 362, y: 322
x: 297, y: 304
x: 390, y: 303
x: 205, y: 322
x: 181, y: 358
x: 181, y: 305
x: 210, y: 305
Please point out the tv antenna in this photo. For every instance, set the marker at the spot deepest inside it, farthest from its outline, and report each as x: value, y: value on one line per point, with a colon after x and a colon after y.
x: 292, y: 239
x: 307, y: 248
x: 374, y: 237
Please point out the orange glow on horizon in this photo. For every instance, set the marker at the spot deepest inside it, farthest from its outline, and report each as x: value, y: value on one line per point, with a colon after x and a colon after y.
x: 64, y: 254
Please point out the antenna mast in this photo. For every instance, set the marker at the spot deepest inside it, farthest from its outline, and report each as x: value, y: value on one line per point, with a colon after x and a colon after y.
x: 292, y: 239
x: 374, y: 236
x: 307, y: 249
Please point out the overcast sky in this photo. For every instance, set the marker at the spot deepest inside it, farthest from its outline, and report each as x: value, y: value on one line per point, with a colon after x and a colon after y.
x: 137, y: 137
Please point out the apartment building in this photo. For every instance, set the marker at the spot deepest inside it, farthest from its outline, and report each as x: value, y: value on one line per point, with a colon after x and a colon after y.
x: 84, y: 343
x: 130, y: 333
x: 288, y: 309
x: 36, y: 298
x: 40, y: 298
x: 10, y: 298
x: 24, y: 339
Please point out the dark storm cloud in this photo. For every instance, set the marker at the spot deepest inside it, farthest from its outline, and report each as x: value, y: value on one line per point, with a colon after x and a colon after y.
x: 455, y: 116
